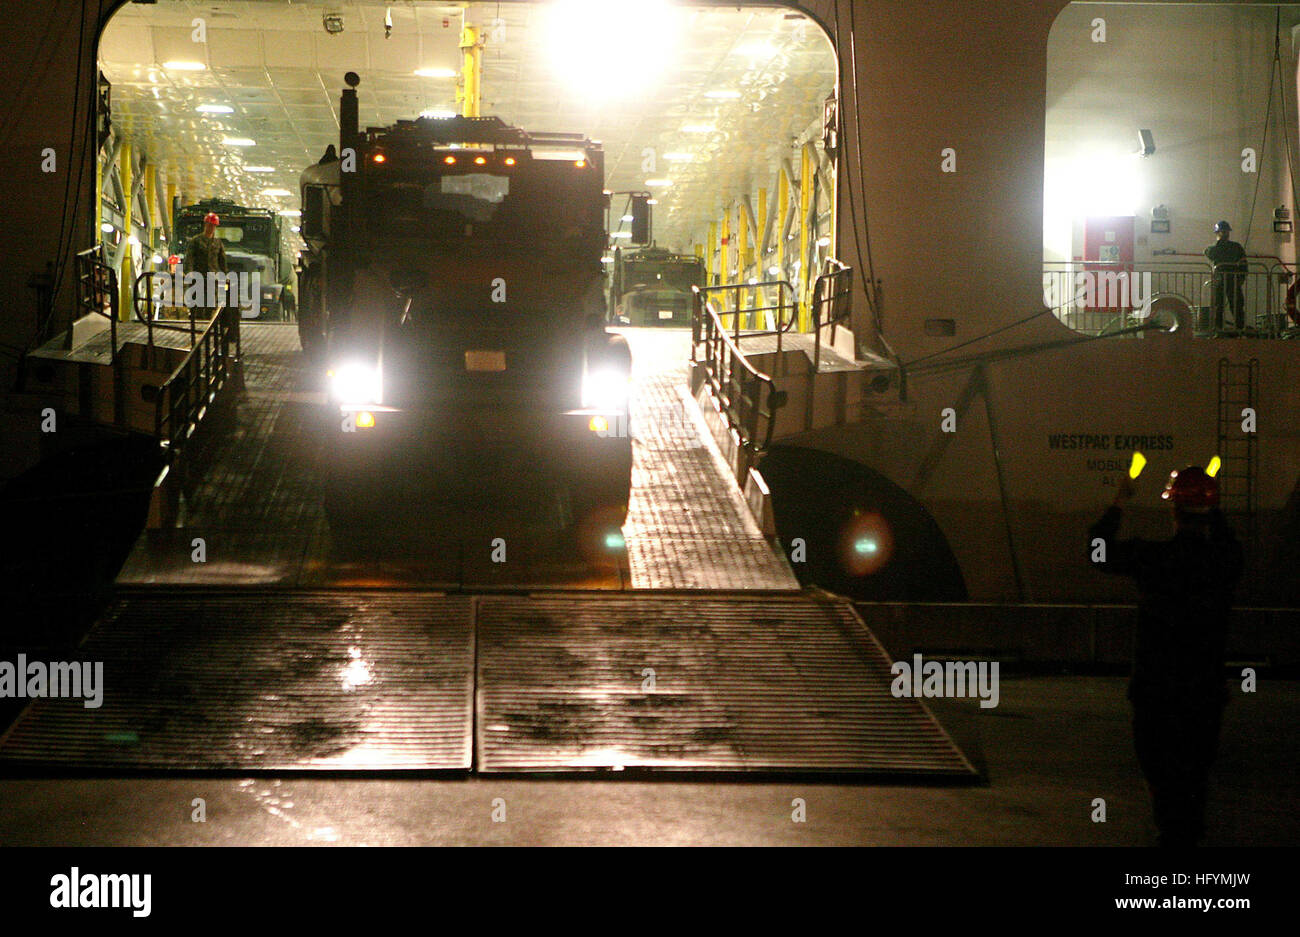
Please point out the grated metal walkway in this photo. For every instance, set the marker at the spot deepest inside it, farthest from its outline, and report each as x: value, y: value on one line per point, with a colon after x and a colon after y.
x: 257, y: 506
x: 248, y: 680
x: 256, y: 681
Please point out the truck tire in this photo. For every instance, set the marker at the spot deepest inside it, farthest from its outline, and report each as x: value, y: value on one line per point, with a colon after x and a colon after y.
x: 311, y: 327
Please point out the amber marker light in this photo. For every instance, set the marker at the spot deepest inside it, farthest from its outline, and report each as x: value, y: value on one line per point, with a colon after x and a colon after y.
x: 480, y: 160
x: 379, y: 158
x: 598, y: 424
x: 365, y: 420
x: 1136, y: 465
x: 449, y: 160
x: 580, y: 163
x: 510, y: 160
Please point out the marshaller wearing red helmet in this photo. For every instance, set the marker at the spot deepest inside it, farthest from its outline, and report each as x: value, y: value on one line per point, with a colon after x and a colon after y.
x: 211, y: 218
x: 1192, y: 490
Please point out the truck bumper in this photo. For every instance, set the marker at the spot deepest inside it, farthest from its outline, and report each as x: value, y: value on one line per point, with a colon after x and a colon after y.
x: 511, y: 455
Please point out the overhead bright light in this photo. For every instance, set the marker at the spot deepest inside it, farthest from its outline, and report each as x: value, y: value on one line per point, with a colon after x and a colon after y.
x: 612, y: 48
x: 215, y: 109
x: 157, y: 259
x: 699, y: 128
x: 823, y: 242
x: 436, y: 72
x: 722, y: 95
x: 184, y: 66
x: 435, y: 113
x: 133, y: 241
x: 290, y: 213
x: 238, y: 141
x: 259, y: 169
x: 276, y: 193
x: 295, y: 229
x: 628, y: 218
x: 621, y: 234
x: 658, y: 183
x: 107, y: 228
x: 652, y: 201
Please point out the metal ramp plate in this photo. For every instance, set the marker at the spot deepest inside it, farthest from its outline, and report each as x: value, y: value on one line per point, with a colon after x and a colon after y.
x: 742, y: 682
x: 259, y: 681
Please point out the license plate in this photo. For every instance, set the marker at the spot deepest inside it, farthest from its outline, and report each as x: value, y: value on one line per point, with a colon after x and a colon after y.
x: 485, y: 361
x: 665, y: 313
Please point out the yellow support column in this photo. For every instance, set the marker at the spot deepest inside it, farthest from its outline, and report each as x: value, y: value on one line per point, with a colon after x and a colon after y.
x: 471, y: 73
x: 760, y: 271
x: 125, y: 274
x: 805, y: 196
x: 782, y: 209
x: 171, y: 208
x: 725, y: 259
x: 742, y: 259
x: 150, y: 184
x: 711, y: 250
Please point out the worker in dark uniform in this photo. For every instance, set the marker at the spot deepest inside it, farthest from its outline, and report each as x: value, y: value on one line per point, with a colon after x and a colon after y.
x: 1177, y: 689
x: 1229, y: 276
x: 206, y: 253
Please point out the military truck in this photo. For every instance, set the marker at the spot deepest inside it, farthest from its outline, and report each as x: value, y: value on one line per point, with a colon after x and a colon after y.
x: 652, y: 286
x: 452, y: 295
x: 255, y: 243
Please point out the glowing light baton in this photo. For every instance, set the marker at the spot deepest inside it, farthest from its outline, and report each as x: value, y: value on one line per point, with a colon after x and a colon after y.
x: 1136, y: 466
x: 1213, y: 468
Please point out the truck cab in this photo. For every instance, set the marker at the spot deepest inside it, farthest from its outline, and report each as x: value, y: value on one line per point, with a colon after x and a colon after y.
x: 255, y: 244
x: 452, y: 298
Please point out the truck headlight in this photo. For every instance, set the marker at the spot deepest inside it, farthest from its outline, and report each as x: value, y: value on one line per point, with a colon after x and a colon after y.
x: 355, y: 382
x: 605, y: 389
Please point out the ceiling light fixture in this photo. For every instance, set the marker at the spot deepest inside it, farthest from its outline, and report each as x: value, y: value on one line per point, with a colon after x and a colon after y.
x: 237, y: 141
x: 215, y: 109
x: 259, y: 169
x: 276, y: 193
x: 659, y: 183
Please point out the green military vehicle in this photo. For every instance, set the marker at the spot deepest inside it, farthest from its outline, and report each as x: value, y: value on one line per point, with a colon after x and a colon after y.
x: 650, y: 286
x: 255, y: 243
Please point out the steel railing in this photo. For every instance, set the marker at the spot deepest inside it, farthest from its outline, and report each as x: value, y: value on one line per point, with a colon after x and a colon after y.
x: 747, y: 397
x: 1106, y: 298
x: 184, y: 398
x: 832, y: 303
x: 97, y: 291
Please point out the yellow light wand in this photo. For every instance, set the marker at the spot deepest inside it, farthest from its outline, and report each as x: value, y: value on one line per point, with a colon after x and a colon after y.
x: 1136, y: 466
x: 1213, y: 468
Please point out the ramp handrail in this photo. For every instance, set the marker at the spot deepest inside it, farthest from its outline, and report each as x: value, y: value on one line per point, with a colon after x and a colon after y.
x: 97, y: 291
x: 832, y: 303
x: 748, y: 397
x: 184, y: 398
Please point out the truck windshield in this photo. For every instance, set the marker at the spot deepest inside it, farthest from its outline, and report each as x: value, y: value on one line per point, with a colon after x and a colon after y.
x: 662, y: 276
x: 248, y: 235
x: 532, y: 207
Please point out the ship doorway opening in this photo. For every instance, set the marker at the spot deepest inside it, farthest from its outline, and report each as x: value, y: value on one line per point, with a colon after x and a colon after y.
x: 714, y: 113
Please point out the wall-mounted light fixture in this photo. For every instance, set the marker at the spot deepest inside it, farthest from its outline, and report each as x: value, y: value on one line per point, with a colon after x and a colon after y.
x: 333, y: 23
x: 1146, y: 143
x: 1282, y: 220
x: 1160, y: 220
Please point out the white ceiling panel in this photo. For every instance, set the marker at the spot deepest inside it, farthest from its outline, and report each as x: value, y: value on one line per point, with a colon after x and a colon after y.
x: 273, y: 62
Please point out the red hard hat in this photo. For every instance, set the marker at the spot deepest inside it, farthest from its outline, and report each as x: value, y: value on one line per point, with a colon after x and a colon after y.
x: 1190, y: 489
x: 211, y: 218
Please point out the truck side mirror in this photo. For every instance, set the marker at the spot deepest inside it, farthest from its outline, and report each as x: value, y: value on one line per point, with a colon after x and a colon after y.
x: 641, y: 219
x: 313, y: 212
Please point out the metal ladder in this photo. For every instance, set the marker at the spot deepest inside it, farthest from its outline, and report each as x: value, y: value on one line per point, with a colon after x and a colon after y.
x: 1238, y: 389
